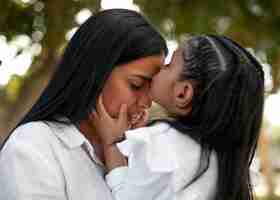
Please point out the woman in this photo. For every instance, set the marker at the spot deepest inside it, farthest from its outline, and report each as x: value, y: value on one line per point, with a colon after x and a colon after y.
x: 55, y: 153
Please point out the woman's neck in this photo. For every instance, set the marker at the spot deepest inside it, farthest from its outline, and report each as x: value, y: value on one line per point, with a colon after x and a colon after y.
x: 90, y: 133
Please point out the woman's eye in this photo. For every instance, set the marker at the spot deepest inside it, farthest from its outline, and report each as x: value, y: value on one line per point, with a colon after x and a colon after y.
x: 136, y: 86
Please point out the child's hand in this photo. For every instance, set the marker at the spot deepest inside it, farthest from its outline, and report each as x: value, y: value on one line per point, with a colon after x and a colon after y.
x: 141, y: 120
x: 109, y: 130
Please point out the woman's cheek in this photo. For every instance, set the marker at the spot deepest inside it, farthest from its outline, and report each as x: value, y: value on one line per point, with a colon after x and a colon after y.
x: 129, y: 99
x: 113, y: 104
x: 112, y: 107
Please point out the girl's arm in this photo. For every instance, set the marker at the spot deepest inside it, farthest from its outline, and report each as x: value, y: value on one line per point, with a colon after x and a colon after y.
x: 133, y: 181
x: 113, y: 157
x: 111, y: 131
x: 138, y: 181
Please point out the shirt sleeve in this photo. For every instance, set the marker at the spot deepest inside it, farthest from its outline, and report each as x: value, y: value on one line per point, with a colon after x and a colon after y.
x: 27, y: 172
x: 149, y: 171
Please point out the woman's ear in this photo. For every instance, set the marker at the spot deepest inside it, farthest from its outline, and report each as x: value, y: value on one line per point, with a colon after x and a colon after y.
x: 183, y: 94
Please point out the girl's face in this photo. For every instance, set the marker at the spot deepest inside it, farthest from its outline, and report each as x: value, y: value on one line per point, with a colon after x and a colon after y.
x: 164, y: 83
x: 130, y: 84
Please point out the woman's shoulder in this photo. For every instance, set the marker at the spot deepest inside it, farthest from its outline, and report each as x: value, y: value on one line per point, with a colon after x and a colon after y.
x: 37, y: 130
x: 38, y: 135
x: 33, y: 126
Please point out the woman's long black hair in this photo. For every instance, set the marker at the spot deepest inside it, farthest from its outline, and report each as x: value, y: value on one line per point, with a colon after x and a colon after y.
x: 227, y: 110
x: 105, y: 40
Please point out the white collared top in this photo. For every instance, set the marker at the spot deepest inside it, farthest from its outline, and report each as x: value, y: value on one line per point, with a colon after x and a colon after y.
x: 51, y: 162
x: 161, y: 163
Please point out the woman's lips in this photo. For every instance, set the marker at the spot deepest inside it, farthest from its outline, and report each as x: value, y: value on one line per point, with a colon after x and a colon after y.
x: 136, y: 117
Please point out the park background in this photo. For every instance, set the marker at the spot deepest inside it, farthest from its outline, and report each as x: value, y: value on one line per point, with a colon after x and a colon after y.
x: 33, y: 34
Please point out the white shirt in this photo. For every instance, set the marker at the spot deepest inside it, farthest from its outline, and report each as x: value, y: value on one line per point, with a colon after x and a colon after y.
x: 50, y: 162
x: 161, y: 161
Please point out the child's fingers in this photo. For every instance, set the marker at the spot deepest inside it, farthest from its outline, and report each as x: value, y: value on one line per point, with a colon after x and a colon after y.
x: 145, y: 117
x: 123, y: 119
x: 100, y: 107
x: 143, y: 120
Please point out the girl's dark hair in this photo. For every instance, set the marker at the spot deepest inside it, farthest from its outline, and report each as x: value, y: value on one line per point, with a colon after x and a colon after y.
x: 227, y: 110
x: 107, y: 39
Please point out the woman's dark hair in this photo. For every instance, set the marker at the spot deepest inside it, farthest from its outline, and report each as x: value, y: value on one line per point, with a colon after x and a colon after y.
x: 227, y: 110
x: 107, y: 39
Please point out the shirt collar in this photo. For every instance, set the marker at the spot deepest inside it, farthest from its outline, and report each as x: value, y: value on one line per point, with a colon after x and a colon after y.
x: 69, y: 135
x: 72, y: 138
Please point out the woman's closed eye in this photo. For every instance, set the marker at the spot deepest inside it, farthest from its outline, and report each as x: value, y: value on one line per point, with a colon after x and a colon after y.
x: 138, y: 83
x: 135, y: 86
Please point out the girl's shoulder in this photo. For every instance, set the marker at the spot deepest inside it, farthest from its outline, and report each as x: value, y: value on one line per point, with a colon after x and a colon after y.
x: 165, y: 134
x: 164, y: 148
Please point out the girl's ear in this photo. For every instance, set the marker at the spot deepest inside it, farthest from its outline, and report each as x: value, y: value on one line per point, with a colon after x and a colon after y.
x: 183, y: 94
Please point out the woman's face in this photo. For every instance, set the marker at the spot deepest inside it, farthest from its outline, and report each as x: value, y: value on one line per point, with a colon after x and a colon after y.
x: 130, y: 84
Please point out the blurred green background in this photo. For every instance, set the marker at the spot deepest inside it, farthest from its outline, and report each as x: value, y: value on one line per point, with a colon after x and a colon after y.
x: 33, y: 34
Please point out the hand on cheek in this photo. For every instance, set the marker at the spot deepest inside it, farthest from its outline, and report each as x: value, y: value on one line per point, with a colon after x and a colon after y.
x: 140, y: 120
x: 110, y: 130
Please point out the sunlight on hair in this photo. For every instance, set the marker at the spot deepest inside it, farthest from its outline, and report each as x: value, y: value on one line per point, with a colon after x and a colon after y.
x: 70, y: 33
x: 82, y: 16
x: 261, y: 57
x: 172, y: 46
x: 128, y: 4
x: 272, y: 110
x: 16, y: 56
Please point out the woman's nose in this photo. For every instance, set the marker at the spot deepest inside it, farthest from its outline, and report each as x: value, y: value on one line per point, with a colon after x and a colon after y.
x: 145, y: 101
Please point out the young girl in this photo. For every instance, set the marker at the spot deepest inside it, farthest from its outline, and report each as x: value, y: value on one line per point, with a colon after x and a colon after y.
x: 213, y: 90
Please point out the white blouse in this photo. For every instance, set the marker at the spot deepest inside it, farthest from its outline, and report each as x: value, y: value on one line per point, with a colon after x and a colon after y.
x: 161, y: 162
x: 51, y: 162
